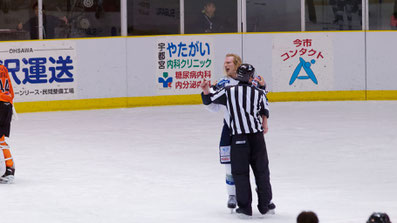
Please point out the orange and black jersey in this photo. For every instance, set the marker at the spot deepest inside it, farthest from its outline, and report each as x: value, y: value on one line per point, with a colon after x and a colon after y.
x: 6, y: 91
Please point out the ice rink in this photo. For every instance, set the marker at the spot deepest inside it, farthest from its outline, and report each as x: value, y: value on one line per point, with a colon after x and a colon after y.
x: 160, y: 164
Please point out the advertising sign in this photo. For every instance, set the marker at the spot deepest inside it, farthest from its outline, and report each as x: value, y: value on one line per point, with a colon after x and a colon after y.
x: 302, y: 63
x: 182, y: 64
x: 41, y: 71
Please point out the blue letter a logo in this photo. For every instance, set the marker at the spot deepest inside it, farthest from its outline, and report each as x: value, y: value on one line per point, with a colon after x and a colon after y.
x: 308, y: 70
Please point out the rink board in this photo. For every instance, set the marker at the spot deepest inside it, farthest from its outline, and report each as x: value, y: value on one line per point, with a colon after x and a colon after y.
x: 167, y: 70
x: 105, y: 103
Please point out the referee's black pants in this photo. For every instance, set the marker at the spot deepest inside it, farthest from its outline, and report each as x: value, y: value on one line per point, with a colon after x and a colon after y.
x: 250, y: 150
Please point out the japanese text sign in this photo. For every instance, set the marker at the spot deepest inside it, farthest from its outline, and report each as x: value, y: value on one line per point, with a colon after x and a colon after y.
x: 302, y: 62
x: 41, y: 71
x: 182, y: 63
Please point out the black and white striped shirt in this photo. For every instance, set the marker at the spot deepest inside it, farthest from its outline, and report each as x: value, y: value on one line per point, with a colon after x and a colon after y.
x: 245, y: 104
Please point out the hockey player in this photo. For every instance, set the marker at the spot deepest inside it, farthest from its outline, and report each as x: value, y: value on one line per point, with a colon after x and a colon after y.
x: 232, y: 62
x: 7, y: 168
x: 248, y: 112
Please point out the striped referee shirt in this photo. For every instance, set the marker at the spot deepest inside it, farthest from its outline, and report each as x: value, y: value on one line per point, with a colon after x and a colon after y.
x: 245, y: 104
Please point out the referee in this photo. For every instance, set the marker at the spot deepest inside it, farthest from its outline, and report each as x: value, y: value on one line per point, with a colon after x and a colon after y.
x: 248, y: 110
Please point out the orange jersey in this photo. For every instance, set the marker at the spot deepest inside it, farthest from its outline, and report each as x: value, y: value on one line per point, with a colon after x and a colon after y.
x: 6, y: 91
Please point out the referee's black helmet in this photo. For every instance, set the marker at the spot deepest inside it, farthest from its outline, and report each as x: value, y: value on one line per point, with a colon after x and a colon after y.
x: 245, y: 72
x: 379, y: 217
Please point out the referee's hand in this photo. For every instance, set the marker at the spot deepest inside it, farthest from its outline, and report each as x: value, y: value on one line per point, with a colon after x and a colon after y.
x: 205, y: 86
x: 264, y: 124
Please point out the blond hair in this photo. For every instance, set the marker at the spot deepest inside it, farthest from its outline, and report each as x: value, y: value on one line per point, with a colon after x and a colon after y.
x: 236, y: 59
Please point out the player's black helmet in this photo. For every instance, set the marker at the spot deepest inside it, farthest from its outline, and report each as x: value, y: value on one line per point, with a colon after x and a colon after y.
x: 378, y: 217
x: 245, y: 72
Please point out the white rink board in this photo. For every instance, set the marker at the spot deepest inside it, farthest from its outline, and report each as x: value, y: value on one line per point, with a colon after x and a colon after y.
x: 128, y: 67
x: 103, y: 68
x: 143, y: 63
x: 382, y: 65
x: 347, y: 71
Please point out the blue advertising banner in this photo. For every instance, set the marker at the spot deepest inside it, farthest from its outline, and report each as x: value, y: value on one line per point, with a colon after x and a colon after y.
x: 41, y: 71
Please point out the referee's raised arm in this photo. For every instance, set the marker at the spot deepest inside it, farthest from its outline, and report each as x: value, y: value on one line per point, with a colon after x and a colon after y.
x: 205, y: 86
x: 207, y: 97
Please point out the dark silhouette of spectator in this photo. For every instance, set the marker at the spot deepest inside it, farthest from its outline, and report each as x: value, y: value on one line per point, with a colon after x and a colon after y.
x: 340, y: 7
x: 378, y: 217
x: 393, y: 20
x: 207, y: 22
x: 307, y: 217
x: 49, y: 24
x: 312, y: 11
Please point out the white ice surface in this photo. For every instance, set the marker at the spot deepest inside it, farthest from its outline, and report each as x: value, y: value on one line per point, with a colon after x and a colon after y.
x: 160, y: 164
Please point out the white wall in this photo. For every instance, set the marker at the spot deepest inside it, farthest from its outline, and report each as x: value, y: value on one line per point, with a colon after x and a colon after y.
x: 102, y: 68
x: 381, y: 60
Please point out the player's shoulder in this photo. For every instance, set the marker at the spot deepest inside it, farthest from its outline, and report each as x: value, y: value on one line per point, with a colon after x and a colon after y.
x: 221, y: 83
x: 233, y: 82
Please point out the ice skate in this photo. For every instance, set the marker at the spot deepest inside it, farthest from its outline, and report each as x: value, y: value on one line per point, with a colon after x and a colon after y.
x: 8, y: 177
x: 271, y: 210
x: 243, y: 214
x: 232, y: 202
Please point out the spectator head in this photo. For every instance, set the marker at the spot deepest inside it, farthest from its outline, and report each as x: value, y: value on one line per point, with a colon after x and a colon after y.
x: 35, y: 8
x: 209, y: 9
x: 307, y: 217
x: 378, y: 217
